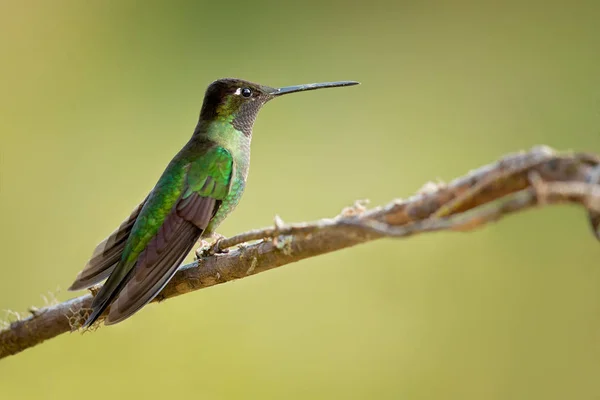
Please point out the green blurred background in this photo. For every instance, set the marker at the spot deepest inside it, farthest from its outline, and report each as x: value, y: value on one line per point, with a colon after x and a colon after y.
x: 96, y: 97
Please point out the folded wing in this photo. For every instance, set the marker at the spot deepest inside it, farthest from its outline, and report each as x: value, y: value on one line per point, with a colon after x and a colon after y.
x: 140, y: 276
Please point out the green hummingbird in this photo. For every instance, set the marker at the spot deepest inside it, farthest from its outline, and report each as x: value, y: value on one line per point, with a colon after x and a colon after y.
x: 199, y: 188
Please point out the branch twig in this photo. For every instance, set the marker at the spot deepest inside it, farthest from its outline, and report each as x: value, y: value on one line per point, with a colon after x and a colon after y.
x: 516, y: 182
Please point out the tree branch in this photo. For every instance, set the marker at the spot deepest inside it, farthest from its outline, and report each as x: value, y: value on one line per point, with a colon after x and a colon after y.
x: 514, y: 183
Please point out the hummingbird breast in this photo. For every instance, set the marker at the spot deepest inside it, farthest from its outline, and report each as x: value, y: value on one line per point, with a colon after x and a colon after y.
x: 241, y: 160
x: 227, y: 206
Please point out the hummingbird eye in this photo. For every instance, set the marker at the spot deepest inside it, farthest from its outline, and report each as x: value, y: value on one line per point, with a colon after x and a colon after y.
x: 246, y: 92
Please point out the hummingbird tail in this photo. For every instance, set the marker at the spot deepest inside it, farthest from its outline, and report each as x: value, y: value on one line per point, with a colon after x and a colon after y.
x: 127, y: 292
x: 103, y: 299
x: 93, y: 317
x: 106, y: 255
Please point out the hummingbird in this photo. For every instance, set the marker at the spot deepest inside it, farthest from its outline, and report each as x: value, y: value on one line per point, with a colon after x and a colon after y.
x: 199, y: 188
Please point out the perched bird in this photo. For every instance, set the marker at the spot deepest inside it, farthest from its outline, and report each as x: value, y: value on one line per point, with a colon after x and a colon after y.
x: 197, y: 190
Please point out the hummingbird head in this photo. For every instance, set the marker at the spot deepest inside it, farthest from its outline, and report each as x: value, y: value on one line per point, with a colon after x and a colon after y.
x: 239, y: 101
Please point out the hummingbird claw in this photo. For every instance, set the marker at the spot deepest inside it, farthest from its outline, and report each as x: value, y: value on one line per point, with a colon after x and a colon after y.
x: 216, y: 249
x: 207, y: 249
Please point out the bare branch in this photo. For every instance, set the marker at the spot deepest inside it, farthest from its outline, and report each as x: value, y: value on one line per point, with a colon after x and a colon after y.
x: 516, y: 182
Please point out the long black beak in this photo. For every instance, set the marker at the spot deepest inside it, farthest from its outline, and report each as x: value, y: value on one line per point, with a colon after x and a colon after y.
x: 311, y: 86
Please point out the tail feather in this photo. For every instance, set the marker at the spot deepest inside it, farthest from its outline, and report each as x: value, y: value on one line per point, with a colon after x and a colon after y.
x: 106, y: 255
x: 103, y: 300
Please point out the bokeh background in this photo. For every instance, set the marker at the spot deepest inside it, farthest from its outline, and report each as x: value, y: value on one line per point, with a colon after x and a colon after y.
x: 97, y: 97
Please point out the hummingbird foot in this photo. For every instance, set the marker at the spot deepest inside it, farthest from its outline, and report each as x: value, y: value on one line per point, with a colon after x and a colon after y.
x: 208, y: 248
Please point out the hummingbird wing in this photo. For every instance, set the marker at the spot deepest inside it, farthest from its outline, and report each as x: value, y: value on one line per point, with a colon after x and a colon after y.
x: 106, y: 255
x: 176, y: 213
